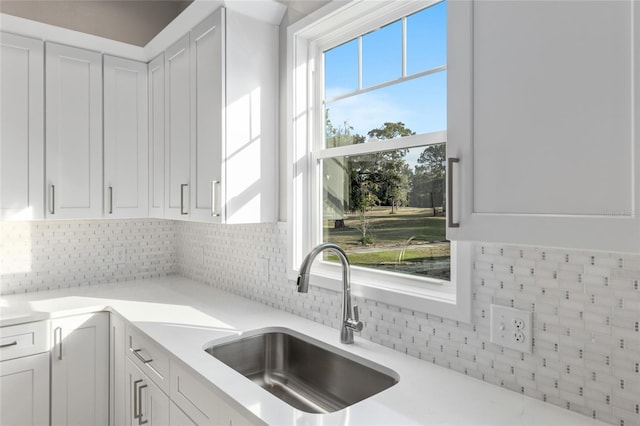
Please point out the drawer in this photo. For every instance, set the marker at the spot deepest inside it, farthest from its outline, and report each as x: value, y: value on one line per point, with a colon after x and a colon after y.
x: 150, y: 357
x: 23, y: 339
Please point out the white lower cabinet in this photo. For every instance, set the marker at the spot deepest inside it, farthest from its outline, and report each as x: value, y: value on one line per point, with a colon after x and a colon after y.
x: 24, y: 391
x: 178, y: 417
x: 201, y: 404
x: 80, y: 370
x: 146, y: 404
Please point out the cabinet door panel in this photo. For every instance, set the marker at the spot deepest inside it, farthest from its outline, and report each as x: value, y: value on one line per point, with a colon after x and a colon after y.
x: 549, y: 157
x: 24, y: 391
x: 21, y: 128
x: 144, y: 400
x: 177, y: 130
x: 156, y: 137
x: 74, y: 132
x: 207, y: 96
x: 125, y: 138
x: 80, y: 370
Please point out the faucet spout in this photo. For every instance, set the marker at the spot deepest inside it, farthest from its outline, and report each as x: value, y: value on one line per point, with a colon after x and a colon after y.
x: 349, y: 322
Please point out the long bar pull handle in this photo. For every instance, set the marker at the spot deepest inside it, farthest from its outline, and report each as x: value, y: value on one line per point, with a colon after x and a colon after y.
x: 182, y: 186
x: 6, y: 345
x: 214, y: 198
x: 111, y: 200
x: 58, y: 341
x: 140, y: 417
x: 52, y: 199
x: 450, y: 222
x: 136, y: 404
x: 144, y: 361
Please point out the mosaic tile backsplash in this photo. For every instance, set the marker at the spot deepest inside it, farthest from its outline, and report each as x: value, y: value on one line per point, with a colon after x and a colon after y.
x: 586, y: 304
x: 586, y: 314
x: 44, y: 255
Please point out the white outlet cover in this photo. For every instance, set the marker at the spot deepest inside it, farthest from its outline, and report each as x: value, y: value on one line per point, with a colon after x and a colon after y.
x: 512, y: 328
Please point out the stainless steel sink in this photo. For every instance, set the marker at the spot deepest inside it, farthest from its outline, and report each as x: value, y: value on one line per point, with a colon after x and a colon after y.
x: 305, y: 375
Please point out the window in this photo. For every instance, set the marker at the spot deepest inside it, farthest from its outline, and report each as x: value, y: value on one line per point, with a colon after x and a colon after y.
x: 369, y: 115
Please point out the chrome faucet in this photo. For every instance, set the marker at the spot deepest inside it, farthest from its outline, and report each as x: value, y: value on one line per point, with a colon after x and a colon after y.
x: 349, y: 324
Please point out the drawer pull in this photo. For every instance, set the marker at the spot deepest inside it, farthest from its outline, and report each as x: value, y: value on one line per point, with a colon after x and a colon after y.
x: 136, y: 404
x: 144, y: 361
x: 58, y: 341
x: 6, y: 345
x: 141, y: 420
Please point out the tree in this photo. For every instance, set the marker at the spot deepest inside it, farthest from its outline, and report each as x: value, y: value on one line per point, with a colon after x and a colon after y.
x: 393, y: 170
x: 428, y: 178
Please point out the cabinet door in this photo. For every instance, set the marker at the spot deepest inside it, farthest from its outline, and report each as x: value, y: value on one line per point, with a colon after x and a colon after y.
x: 21, y: 128
x: 24, y: 391
x: 145, y: 402
x: 178, y: 417
x: 178, y: 129
x: 544, y: 123
x: 80, y: 370
x: 125, y: 138
x: 207, y: 98
x: 117, y: 396
x: 251, y: 116
x: 156, y: 137
x: 73, y: 132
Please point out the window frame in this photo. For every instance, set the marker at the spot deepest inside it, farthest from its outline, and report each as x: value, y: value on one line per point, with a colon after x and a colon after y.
x: 307, y: 39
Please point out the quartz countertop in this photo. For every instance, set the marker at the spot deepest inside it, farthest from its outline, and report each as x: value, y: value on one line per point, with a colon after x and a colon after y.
x: 185, y: 316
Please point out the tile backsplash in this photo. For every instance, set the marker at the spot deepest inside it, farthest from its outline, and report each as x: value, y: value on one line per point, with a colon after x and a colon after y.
x: 43, y: 255
x: 586, y: 314
x: 586, y: 304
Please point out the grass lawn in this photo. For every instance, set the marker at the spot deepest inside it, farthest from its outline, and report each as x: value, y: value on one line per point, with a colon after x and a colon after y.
x: 409, y: 225
x: 403, y: 241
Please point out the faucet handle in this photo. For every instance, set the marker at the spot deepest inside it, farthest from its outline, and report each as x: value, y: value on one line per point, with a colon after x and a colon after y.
x: 354, y: 323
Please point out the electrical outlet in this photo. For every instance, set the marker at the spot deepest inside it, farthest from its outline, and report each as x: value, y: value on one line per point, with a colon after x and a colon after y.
x: 263, y: 263
x: 512, y: 328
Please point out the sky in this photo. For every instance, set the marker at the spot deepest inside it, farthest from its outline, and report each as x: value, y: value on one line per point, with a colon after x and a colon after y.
x: 419, y: 103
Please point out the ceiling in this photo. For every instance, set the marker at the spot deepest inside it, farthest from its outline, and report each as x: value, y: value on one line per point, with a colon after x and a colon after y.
x: 130, y: 21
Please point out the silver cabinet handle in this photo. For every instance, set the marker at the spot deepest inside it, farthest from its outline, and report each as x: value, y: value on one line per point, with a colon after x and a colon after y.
x: 450, y: 222
x: 52, y: 199
x: 182, y: 186
x: 111, y: 200
x: 136, y: 402
x: 214, y: 198
x: 6, y: 345
x: 136, y: 353
x: 140, y: 414
x: 58, y: 341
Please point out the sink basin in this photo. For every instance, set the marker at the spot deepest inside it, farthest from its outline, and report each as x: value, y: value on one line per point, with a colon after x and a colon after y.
x: 304, y: 374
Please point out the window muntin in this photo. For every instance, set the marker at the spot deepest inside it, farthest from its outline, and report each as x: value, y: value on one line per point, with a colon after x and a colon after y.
x: 385, y: 207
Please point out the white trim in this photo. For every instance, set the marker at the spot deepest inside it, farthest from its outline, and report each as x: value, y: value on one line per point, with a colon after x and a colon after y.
x: 306, y: 40
x: 374, y: 145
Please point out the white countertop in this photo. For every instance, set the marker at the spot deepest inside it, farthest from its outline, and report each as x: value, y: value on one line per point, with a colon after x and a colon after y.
x: 184, y: 316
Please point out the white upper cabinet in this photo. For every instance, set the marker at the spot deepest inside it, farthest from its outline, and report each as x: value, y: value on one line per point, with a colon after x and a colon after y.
x: 250, y: 120
x: 177, y: 129
x: 207, y: 99
x: 222, y: 80
x: 73, y: 132
x: 544, y: 121
x: 21, y: 128
x: 125, y: 138
x: 156, y: 136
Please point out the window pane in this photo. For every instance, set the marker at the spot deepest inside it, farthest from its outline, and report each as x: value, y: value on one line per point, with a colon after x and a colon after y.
x: 420, y: 104
x: 427, y: 39
x: 387, y: 210
x: 341, y: 69
x: 382, y: 55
